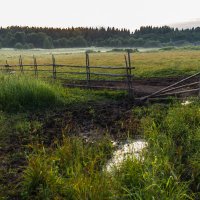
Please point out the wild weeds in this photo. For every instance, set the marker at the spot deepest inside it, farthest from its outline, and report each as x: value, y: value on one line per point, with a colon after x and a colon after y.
x: 22, y: 93
x: 168, y: 169
x: 71, y: 171
x: 170, y: 165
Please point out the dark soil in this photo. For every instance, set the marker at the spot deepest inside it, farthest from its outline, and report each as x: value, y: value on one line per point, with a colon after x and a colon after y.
x: 141, y: 86
x: 89, y: 121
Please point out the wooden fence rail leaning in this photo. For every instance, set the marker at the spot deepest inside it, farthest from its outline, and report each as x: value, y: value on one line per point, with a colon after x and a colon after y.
x: 88, y: 76
x: 178, y: 88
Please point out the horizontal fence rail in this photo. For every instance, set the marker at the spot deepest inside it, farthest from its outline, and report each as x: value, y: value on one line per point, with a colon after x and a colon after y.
x: 69, y: 66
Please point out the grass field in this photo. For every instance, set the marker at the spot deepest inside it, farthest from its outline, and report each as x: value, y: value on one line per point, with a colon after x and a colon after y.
x: 55, y: 142
x: 148, y: 64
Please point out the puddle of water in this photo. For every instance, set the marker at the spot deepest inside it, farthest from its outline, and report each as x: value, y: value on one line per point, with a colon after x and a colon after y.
x: 131, y: 149
x: 185, y: 103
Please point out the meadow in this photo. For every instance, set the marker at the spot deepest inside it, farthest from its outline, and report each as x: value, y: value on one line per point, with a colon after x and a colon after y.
x: 153, y: 63
x: 55, y: 141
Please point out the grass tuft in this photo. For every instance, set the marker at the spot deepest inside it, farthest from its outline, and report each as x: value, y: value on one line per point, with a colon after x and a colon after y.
x: 18, y: 93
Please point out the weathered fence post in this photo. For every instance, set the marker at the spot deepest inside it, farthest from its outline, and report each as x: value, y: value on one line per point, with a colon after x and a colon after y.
x: 21, y: 64
x: 129, y: 75
x: 54, y: 67
x: 35, y: 66
x: 7, y: 67
x: 129, y: 62
x: 87, y: 69
x: 199, y: 87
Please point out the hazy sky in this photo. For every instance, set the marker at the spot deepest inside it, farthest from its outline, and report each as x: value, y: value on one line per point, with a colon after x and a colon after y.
x: 119, y: 13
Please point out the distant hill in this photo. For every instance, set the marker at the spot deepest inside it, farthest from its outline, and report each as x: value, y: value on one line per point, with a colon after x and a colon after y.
x: 186, y: 25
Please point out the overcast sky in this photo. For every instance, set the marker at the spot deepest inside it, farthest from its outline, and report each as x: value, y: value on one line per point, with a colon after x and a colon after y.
x: 118, y: 13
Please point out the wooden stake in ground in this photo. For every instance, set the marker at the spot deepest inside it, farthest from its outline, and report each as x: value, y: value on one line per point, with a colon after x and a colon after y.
x: 128, y: 74
x: 54, y: 67
x: 35, y: 67
x: 87, y: 69
x: 199, y: 87
x: 7, y: 67
x: 21, y: 64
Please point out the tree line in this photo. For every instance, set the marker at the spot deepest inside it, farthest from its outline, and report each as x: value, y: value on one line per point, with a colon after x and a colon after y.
x: 148, y: 36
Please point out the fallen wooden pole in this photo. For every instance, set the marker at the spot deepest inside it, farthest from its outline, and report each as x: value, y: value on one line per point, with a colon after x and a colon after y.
x: 179, y: 87
x: 180, y: 92
x: 158, y: 92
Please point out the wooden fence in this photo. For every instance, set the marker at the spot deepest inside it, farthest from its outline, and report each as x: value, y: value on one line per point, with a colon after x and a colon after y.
x: 125, y: 82
x: 186, y: 86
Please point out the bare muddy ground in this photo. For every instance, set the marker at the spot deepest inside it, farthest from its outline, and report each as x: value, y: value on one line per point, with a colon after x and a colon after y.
x: 91, y: 120
x: 141, y: 86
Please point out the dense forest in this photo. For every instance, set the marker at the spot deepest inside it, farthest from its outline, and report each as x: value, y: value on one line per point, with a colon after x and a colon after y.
x: 38, y: 37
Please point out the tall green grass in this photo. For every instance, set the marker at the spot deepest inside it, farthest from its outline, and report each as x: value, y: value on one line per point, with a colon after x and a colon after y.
x: 170, y: 168
x: 71, y: 171
x: 25, y: 93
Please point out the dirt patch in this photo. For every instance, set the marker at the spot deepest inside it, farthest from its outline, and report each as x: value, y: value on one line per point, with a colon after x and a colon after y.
x: 141, y: 86
x: 90, y: 121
